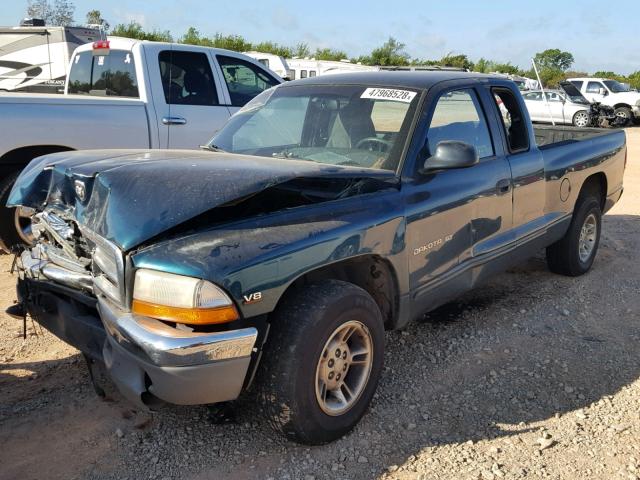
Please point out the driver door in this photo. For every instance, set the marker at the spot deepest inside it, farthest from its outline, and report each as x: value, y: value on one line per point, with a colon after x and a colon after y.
x: 458, y: 214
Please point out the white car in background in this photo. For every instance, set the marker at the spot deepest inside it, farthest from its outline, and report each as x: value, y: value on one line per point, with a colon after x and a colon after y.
x: 564, y: 106
x: 609, y: 92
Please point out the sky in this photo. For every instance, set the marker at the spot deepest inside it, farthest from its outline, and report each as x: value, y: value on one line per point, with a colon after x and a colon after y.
x: 600, y: 35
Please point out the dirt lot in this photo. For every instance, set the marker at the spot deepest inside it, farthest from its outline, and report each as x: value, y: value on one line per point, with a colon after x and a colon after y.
x: 532, y: 376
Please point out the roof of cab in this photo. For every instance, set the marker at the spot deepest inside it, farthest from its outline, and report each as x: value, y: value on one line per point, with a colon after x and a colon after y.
x: 410, y: 79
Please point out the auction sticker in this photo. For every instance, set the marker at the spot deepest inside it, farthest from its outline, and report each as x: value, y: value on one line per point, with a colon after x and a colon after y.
x: 389, y: 94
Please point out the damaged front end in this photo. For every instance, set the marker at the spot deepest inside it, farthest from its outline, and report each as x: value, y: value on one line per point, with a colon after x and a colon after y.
x: 72, y: 282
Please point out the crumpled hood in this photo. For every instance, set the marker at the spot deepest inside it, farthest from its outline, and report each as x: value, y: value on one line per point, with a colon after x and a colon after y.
x: 131, y: 196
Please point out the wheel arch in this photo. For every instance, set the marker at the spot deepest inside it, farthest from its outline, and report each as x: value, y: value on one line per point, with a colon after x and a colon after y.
x: 622, y: 104
x: 18, y: 158
x: 371, y: 272
x: 595, y: 183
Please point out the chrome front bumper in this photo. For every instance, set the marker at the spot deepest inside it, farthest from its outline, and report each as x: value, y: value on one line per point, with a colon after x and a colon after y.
x: 141, y: 354
x: 185, y: 368
x: 167, y: 346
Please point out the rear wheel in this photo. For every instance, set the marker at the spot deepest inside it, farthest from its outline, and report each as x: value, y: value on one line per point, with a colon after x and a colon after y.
x: 574, y: 254
x: 323, y: 361
x: 625, y: 115
x: 581, y: 119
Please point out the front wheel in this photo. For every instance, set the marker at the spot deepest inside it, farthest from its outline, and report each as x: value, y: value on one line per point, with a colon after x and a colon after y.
x: 323, y: 361
x: 581, y: 119
x: 15, y: 223
x: 625, y: 116
x: 574, y: 253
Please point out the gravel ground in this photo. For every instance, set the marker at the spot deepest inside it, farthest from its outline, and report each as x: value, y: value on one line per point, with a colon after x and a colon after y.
x: 532, y: 376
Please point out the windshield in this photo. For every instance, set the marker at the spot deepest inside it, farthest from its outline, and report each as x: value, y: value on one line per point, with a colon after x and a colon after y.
x: 615, y: 86
x: 351, y: 125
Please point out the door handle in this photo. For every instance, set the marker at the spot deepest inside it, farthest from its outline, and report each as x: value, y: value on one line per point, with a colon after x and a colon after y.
x: 174, y: 121
x: 503, y: 186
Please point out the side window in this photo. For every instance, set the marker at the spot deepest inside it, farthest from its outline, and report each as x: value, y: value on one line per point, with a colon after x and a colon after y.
x: 303, y: 74
x: 594, y: 87
x: 112, y: 75
x: 535, y: 96
x: 577, y: 84
x: 553, y: 97
x: 244, y: 79
x: 513, y: 120
x: 312, y: 73
x: 187, y: 78
x: 459, y: 116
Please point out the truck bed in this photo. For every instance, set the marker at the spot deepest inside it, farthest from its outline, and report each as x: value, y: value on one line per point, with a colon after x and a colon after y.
x: 548, y: 135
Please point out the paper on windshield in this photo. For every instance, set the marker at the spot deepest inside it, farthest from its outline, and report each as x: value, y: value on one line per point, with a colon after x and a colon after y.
x: 389, y: 94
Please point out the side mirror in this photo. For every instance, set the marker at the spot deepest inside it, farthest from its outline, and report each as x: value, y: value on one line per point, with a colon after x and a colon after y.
x: 451, y: 154
x: 602, y: 91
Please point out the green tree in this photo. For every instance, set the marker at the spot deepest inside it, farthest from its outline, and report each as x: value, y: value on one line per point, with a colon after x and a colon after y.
x: 59, y: 14
x: 192, y: 37
x: 301, y: 50
x: 391, y: 53
x: 506, y: 67
x: 634, y: 80
x: 273, y: 48
x: 459, y: 61
x: 329, y: 54
x: 237, y: 43
x: 554, y: 59
x: 135, y: 30
x: 94, y: 17
x: 483, y: 65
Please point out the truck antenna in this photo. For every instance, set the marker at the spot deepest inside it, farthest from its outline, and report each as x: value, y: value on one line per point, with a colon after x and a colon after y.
x: 544, y: 95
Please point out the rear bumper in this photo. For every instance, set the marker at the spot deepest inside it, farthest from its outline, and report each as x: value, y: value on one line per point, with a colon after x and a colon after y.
x: 144, y: 358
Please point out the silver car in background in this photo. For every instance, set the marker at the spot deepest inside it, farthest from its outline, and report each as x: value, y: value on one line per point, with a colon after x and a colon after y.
x: 569, y: 108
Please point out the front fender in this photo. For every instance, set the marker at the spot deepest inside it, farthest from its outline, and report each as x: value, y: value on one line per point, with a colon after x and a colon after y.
x: 266, y: 255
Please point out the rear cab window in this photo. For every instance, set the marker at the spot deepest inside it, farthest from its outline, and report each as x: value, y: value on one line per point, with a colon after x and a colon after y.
x: 112, y: 75
x: 513, y: 120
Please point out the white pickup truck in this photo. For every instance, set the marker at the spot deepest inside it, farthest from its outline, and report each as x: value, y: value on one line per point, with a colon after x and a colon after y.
x: 612, y: 93
x: 124, y: 93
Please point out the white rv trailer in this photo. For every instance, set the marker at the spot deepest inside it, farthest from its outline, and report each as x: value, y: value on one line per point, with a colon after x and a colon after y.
x: 36, y: 58
x: 310, y: 67
x: 293, y: 68
x: 275, y: 63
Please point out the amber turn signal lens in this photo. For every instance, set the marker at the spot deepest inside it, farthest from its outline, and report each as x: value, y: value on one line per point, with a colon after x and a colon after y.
x: 188, y: 316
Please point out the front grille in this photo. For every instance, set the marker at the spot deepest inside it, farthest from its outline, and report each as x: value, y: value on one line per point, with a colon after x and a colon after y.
x: 75, y: 256
x: 107, y: 267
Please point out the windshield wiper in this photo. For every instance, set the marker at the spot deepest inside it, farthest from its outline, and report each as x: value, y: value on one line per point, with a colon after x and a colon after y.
x: 212, y: 148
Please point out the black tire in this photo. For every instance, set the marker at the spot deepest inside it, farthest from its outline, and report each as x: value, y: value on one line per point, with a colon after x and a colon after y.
x: 8, y: 235
x: 624, y: 112
x: 578, y: 119
x: 563, y: 257
x: 301, y: 328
